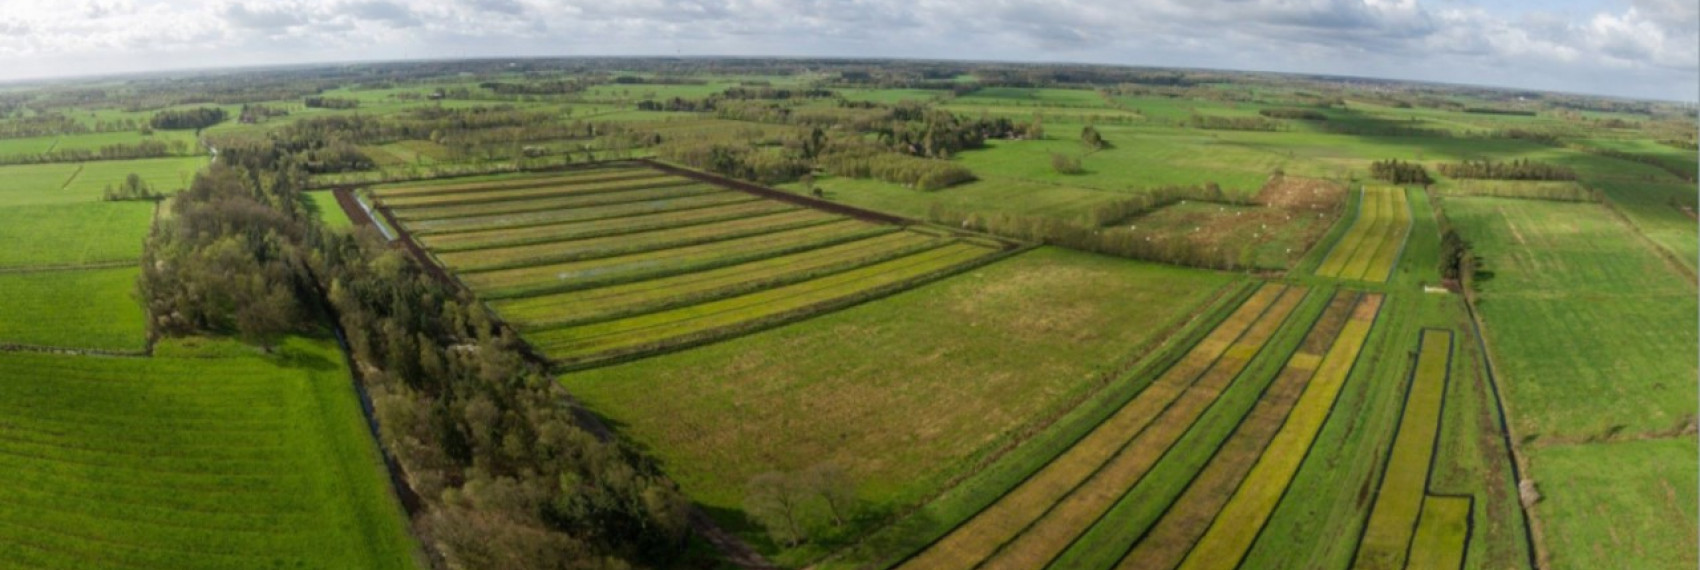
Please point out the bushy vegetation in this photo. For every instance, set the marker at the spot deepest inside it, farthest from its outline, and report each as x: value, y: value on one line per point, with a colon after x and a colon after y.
x: 133, y: 188
x: 1519, y: 169
x: 188, y: 119
x: 1293, y: 113
x: 1400, y: 172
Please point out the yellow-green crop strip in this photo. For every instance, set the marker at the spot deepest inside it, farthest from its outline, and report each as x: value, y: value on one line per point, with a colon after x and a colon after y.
x: 546, y: 217
x: 1442, y: 534
x: 979, y: 537
x: 567, y: 202
x: 1236, y: 527
x: 524, y: 255
x: 1048, y: 536
x: 503, y: 237
x: 531, y: 313
x: 1370, y: 248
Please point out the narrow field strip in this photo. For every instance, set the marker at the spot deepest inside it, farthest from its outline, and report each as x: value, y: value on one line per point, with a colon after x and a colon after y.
x: 505, y: 237
x: 557, y: 252
x: 559, y: 190
x: 586, y: 177
x: 1374, y: 236
x: 1047, y: 537
x: 637, y: 333
x: 979, y: 537
x: 1239, y: 522
x: 1399, y: 500
x: 571, y: 202
x: 1372, y: 245
x: 1380, y: 268
x: 1349, y: 243
x: 590, y: 305
x: 1150, y: 527
x: 546, y: 217
x: 1443, y: 534
x: 557, y: 277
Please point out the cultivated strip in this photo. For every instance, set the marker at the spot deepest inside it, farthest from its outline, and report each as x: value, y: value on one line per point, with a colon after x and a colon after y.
x: 1168, y: 539
x: 568, y: 202
x: 525, y: 255
x: 1237, y: 525
x: 978, y: 537
x: 504, y: 237
x: 1399, y: 501
x: 1074, y: 514
x: 546, y: 217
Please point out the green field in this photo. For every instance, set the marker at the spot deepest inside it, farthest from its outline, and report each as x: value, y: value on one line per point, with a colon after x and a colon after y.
x: 324, y: 204
x: 63, y: 183
x: 1007, y: 345
x: 1619, y: 505
x: 80, y: 308
x: 192, y: 462
x: 73, y: 234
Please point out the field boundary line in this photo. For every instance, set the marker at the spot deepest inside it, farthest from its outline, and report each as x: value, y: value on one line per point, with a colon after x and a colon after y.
x: 73, y: 178
x: 67, y: 267
x: 72, y: 351
x: 1531, y: 524
x: 1669, y: 257
x: 313, y: 185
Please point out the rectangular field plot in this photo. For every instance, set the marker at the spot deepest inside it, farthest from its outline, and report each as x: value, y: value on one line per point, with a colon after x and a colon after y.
x: 73, y: 234
x: 1400, y: 501
x: 622, y: 259
x: 1371, y: 247
x: 80, y: 308
x: 192, y: 463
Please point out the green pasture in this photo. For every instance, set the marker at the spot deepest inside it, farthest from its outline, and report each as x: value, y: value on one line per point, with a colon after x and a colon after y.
x: 73, y: 234
x: 220, y: 458
x: 81, y: 308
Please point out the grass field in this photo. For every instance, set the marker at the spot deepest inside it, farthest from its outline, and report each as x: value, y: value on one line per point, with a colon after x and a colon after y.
x: 39, y: 184
x: 329, y: 211
x: 1400, y: 499
x: 192, y: 463
x: 73, y: 234
x: 81, y: 308
x: 167, y: 175
x: 1370, y: 249
x: 1582, y: 316
x: 895, y: 391
x: 1624, y: 504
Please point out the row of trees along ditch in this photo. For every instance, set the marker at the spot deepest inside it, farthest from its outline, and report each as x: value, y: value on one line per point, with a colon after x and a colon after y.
x: 486, y: 439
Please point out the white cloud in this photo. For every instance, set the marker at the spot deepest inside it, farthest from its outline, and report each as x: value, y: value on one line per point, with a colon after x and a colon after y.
x: 1645, y: 48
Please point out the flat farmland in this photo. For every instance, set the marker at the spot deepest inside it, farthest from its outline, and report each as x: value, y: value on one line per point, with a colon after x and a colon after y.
x: 1627, y: 504
x: 165, y: 174
x: 73, y: 234
x: 192, y: 462
x: 894, y: 391
x: 77, y: 308
x: 1582, y: 318
x: 620, y: 260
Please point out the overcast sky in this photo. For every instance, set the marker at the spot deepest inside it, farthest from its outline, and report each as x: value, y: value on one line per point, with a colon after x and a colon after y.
x: 1636, y: 48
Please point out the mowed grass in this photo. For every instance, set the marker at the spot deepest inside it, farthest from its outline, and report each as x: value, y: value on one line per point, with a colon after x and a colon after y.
x: 166, y: 175
x: 1619, y: 505
x: 73, y: 234
x: 33, y: 184
x: 906, y: 393
x: 82, y: 308
x: 1584, y: 319
x: 324, y: 203
x: 189, y: 463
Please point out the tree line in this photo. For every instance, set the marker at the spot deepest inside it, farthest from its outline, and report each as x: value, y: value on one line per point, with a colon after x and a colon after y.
x: 1518, y: 169
x: 485, y: 438
x: 187, y: 119
x: 1400, y: 172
